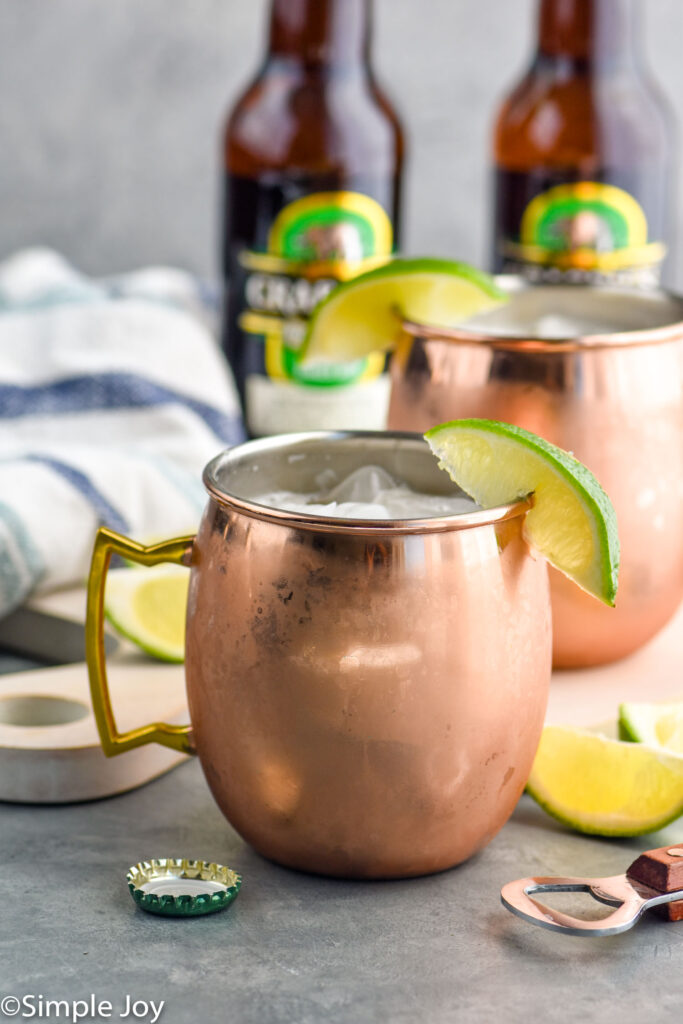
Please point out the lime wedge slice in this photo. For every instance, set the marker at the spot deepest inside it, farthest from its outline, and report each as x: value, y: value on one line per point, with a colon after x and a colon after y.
x: 572, y: 524
x: 659, y: 725
x: 363, y: 315
x: 603, y: 786
x: 148, y: 607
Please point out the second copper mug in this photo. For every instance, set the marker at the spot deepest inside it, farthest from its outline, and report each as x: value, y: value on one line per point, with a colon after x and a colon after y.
x: 366, y: 696
x: 611, y: 391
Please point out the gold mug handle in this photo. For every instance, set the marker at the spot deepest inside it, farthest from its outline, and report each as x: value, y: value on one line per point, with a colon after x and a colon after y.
x: 107, y: 543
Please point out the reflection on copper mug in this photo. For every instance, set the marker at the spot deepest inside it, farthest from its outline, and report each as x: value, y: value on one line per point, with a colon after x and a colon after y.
x: 366, y: 697
x: 613, y: 395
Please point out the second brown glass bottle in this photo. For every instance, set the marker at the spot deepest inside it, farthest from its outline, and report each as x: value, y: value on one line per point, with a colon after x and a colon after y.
x: 583, y: 153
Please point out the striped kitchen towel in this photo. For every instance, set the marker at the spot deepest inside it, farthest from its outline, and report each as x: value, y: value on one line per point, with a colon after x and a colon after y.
x: 113, y: 396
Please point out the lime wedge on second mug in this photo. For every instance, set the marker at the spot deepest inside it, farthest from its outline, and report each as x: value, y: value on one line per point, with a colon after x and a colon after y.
x: 363, y: 315
x: 572, y: 522
x: 604, y: 786
x: 659, y: 725
x: 148, y: 607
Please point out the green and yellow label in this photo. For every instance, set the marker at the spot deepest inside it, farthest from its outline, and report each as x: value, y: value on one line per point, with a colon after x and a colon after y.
x: 313, y: 243
x: 586, y: 226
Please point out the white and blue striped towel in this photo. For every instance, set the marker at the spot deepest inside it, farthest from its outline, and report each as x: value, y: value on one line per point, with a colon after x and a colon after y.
x: 113, y: 396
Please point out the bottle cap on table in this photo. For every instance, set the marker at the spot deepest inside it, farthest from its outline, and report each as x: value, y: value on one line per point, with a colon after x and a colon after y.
x: 178, y: 887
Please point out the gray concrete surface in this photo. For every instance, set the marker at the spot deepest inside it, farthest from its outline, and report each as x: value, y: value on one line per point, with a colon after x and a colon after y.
x: 110, y: 115
x: 296, y: 949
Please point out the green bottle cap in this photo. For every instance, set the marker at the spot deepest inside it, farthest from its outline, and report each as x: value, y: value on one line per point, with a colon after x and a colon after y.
x: 178, y: 887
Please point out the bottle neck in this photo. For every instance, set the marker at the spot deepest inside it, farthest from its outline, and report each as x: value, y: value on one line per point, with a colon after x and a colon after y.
x: 601, y: 33
x: 325, y: 34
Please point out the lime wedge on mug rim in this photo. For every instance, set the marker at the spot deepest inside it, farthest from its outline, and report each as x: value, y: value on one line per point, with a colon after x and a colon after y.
x: 603, y: 786
x: 363, y: 315
x: 572, y: 522
x: 148, y: 607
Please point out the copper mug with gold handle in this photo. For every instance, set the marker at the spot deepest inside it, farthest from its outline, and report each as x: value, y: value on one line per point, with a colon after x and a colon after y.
x: 612, y: 393
x: 366, y: 697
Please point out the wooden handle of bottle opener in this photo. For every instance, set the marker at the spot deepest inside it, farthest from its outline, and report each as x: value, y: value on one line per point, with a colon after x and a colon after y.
x: 661, y: 870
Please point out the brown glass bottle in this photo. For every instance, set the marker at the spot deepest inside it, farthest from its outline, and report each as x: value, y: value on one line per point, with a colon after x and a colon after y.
x: 313, y: 161
x: 583, y: 153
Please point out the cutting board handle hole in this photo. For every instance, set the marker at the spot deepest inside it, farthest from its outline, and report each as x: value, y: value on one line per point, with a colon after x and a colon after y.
x: 33, y: 710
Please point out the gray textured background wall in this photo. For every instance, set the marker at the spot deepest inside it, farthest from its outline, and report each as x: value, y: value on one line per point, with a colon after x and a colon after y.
x: 110, y: 115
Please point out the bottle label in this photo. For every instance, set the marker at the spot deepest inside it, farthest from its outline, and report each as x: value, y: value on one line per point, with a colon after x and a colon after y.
x: 313, y: 243
x: 584, y: 231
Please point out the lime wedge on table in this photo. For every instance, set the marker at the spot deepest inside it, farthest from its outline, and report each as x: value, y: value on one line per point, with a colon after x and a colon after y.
x: 363, y: 315
x: 148, y: 607
x: 572, y: 523
x: 604, y: 786
x: 660, y: 725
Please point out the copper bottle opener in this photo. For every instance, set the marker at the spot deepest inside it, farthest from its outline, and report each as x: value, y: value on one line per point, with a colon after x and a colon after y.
x: 655, y: 879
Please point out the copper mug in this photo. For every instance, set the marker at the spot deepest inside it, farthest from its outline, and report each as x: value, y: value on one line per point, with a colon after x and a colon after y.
x: 613, y: 396
x: 366, y: 697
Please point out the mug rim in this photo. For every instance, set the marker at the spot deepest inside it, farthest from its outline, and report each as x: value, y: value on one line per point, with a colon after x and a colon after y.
x: 353, y: 527
x: 672, y: 331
